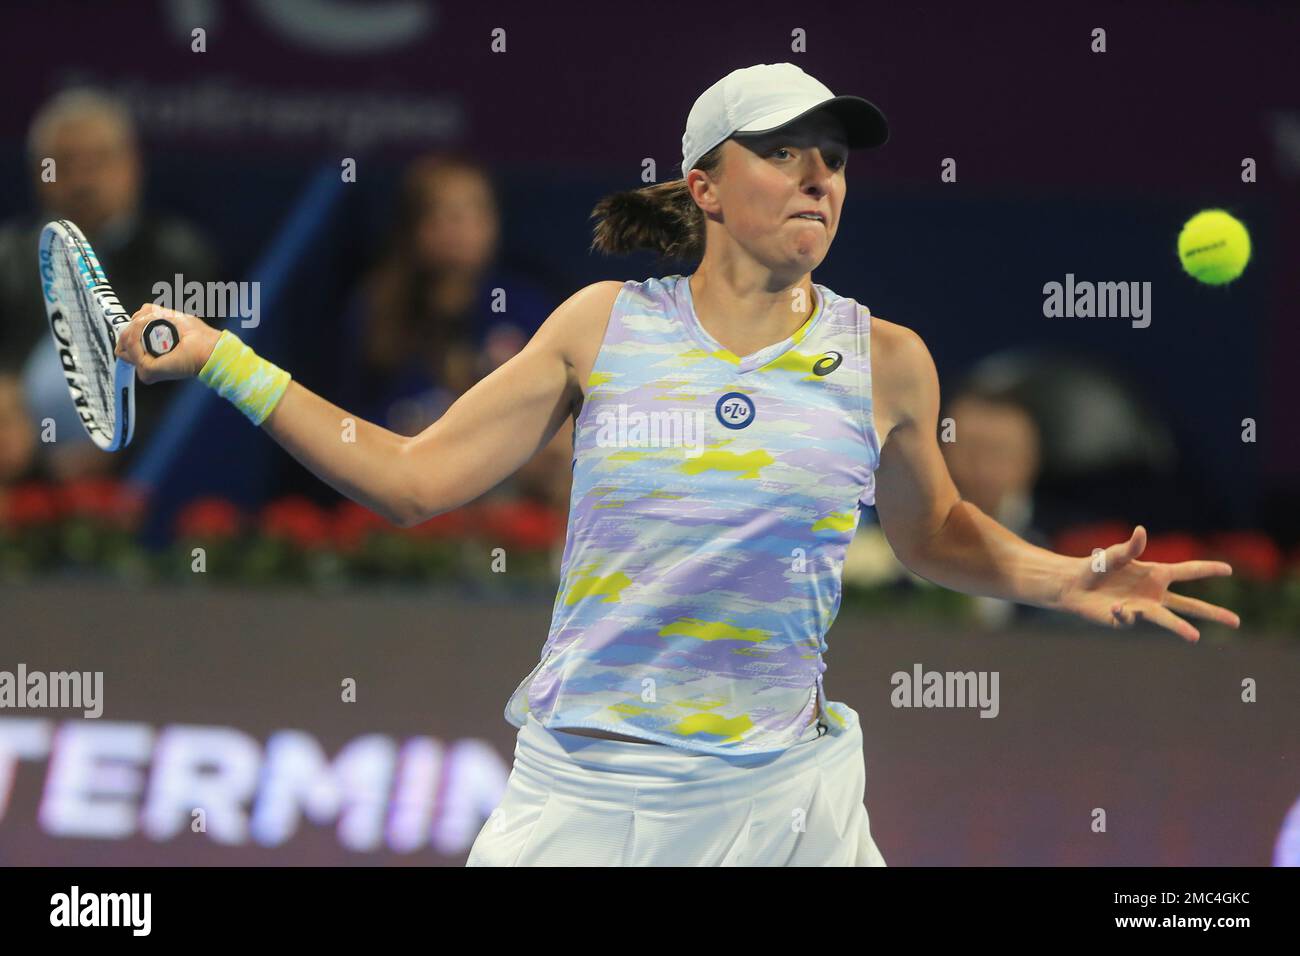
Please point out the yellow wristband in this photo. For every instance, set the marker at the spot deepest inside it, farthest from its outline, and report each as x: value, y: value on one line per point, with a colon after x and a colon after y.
x: 243, y: 378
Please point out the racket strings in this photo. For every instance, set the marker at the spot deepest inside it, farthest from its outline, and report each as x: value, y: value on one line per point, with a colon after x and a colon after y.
x: 91, y: 341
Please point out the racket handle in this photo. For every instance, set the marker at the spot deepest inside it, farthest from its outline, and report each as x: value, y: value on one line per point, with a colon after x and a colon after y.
x: 160, y: 337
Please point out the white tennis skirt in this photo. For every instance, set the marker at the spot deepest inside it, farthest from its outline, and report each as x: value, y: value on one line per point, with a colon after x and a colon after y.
x: 573, y: 800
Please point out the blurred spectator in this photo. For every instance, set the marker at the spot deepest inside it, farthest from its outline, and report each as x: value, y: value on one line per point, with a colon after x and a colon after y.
x: 95, y: 180
x: 19, y: 460
x: 994, y: 455
x: 1106, y: 449
x: 994, y: 458
x: 438, y: 313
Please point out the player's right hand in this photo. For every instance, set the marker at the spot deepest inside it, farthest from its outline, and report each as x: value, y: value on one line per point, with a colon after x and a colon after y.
x: 197, y: 339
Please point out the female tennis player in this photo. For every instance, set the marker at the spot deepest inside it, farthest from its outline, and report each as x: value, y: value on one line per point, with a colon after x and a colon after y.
x: 729, y: 425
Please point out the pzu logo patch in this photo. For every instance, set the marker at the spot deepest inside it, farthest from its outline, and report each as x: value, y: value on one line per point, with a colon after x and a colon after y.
x: 735, y: 410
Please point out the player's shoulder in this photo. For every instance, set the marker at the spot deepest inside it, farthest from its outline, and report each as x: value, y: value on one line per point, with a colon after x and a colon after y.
x: 577, y: 325
x: 589, y: 306
x: 598, y: 294
x: 897, y: 345
x: 904, y: 380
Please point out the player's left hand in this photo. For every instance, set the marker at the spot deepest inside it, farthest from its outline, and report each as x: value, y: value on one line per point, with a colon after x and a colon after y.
x: 1129, y: 590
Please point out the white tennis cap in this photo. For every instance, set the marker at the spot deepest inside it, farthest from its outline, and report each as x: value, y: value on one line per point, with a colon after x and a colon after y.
x: 767, y: 96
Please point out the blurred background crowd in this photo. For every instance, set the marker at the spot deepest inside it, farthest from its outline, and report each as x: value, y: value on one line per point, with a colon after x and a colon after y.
x: 462, y: 227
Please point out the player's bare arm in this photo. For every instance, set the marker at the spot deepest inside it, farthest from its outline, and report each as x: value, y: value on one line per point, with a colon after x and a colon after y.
x: 483, y: 438
x: 951, y: 542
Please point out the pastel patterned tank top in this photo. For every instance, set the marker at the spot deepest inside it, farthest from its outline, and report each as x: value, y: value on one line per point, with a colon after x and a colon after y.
x: 713, y: 500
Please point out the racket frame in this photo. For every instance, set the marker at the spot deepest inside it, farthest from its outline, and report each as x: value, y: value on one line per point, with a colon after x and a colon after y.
x: 106, y: 309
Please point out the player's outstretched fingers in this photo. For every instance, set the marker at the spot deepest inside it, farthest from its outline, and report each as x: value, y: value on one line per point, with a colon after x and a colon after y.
x: 1163, y: 617
x: 1193, y: 570
x: 1183, y: 604
x: 1116, y: 556
x: 1126, y: 614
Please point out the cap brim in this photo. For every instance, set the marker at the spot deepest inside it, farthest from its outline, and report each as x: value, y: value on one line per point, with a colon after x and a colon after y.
x: 864, y: 123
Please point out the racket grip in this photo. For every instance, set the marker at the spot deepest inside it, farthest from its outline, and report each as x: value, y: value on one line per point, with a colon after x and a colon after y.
x: 160, y: 337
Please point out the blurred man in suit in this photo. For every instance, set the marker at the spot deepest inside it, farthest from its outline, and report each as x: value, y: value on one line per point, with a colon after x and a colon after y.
x: 87, y: 167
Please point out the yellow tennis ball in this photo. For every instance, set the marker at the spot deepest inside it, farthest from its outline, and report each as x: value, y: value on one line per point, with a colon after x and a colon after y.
x: 1214, y: 247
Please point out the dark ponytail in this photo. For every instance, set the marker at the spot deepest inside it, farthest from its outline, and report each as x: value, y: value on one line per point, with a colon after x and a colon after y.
x: 662, y: 218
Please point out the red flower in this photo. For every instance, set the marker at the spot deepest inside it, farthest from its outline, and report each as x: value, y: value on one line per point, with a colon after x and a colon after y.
x: 208, y: 518
x: 29, y: 505
x: 1081, y: 540
x: 1252, y: 554
x: 104, y: 499
x: 353, y: 523
x: 523, y: 525
x: 1293, y: 562
x: 1172, y: 547
x: 297, y: 519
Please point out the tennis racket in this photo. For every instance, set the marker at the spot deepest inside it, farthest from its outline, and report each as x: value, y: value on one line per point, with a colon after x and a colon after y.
x: 86, y: 319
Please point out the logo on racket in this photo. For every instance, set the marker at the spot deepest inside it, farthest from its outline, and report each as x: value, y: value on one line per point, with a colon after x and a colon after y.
x: 47, y: 276
x: 160, y: 339
x: 735, y: 410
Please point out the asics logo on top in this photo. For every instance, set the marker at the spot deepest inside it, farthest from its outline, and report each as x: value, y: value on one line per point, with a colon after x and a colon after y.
x: 827, y: 363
